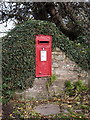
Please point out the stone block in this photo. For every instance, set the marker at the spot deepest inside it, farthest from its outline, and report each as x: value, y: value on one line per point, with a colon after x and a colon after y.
x: 68, y: 67
x: 55, y: 65
x: 83, y: 74
x: 55, y: 53
x: 60, y: 57
x: 57, y: 71
x: 57, y: 49
x: 47, y: 109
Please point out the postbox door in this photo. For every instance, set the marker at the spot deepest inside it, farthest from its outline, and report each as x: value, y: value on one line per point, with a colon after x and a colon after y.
x: 43, y: 60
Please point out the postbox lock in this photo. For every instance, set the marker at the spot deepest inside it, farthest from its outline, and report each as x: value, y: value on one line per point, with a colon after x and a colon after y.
x: 39, y: 72
x: 43, y: 48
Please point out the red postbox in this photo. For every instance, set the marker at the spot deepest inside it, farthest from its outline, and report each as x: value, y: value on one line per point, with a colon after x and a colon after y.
x: 43, y: 55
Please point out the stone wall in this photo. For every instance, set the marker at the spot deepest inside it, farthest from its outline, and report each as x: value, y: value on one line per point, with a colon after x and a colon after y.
x: 65, y: 69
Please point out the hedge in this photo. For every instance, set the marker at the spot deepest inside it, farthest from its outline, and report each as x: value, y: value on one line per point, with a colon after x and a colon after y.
x: 18, y: 51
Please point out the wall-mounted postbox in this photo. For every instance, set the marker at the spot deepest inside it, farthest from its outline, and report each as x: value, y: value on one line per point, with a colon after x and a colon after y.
x: 43, y: 55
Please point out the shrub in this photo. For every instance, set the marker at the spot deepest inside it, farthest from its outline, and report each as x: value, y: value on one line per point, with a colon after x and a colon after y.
x: 76, y: 89
x: 18, y: 52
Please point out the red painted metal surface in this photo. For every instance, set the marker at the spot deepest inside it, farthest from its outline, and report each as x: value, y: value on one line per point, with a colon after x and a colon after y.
x: 43, y: 55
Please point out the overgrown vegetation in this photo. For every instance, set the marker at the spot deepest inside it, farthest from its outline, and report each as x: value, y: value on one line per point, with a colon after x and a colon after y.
x: 77, y: 89
x: 50, y: 81
x: 70, y: 107
x: 18, y: 51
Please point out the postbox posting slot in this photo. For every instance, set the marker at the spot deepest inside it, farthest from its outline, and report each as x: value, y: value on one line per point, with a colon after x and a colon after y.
x: 43, y: 41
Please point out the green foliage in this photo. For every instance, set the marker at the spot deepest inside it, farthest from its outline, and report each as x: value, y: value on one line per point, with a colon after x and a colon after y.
x: 83, y: 48
x: 7, y: 93
x: 75, y: 88
x: 85, y: 107
x: 50, y: 81
x: 18, y: 52
x: 81, y: 39
x: 69, y: 88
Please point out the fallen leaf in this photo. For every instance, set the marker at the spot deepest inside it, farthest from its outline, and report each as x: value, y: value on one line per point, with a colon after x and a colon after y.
x: 69, y: 106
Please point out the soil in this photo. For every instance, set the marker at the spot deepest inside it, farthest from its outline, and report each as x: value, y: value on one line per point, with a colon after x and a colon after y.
x: 8, y: 110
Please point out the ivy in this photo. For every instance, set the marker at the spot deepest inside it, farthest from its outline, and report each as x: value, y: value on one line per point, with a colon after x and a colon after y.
x: 18, y: 52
